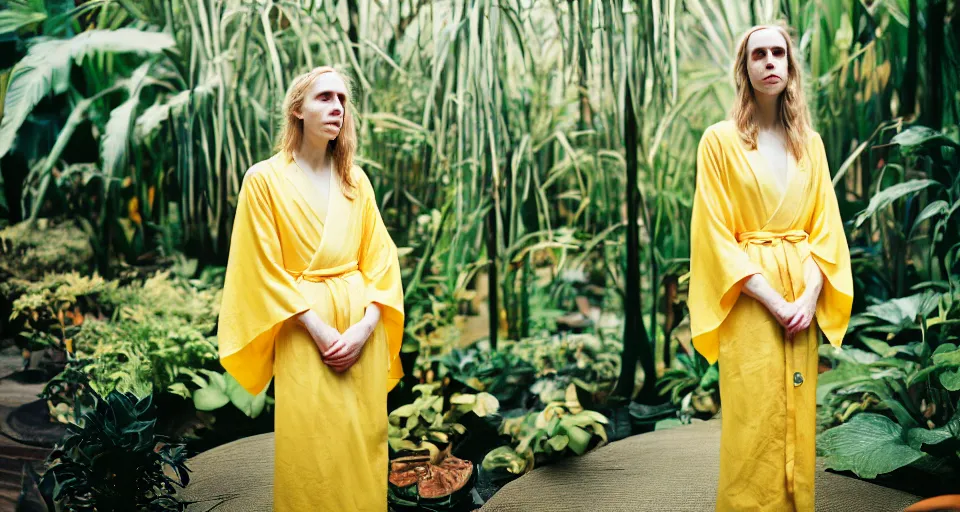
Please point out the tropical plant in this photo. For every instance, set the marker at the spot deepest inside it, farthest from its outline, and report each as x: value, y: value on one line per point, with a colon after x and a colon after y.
x: 562, y: 429
x: 895, y: 406
x: 423, y: 435
x: 112, y: 460
x: 498, y: 372
x: 693, y: 385
x: 28, y: 252
x: 218, y: 390
x: 913, y: 214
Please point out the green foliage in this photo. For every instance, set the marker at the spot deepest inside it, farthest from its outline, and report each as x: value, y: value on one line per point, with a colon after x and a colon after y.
x: 433, y: 419
x: 218, y: 390
x: 694, y: 385
x: 113, y: 460
x: 590, y: 361
x: 54, y: 308
x: 872, y: 444
x: 137, y: 338
x: 498, y: 372
x: 28, y: 251
x: 893, y: 406
x: 562, y: 429
x: 543, y: 366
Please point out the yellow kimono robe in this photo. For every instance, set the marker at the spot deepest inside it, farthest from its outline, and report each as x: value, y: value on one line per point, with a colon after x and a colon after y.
x: 292, y: 250
x: 743, y: 225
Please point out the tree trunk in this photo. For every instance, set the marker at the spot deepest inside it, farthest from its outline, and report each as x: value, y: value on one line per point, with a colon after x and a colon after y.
x: 635, y: 340
x: 933, y: 106
x: 908, y: 102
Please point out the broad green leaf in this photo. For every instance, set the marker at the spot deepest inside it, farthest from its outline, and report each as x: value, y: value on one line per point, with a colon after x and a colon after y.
x: 943, y: 348
x: 486, y: 404
x: 113, y: 144
x: 46, y: 69
x: 711, y: 378
x: 844, y: 375
x: 848, y: 355
x: 559, y: 442
x: 869, y: 445
x: 939, y: 207
x: 951, y: 380
x: 209, y: 399
x: 197, y: 379
x: 504, y: 457
x: 947, y: 357
x: 915, y: 138
x: 155, y: 114
x: 251, y: 405
x: 579, y: 439
x: 917, y: 437
x: 426, y: 389
x: 888, y: 195
x: 404, y: 411
x: 12, y: 20
x: 429, y: 414
x: 904, y: 311
x: 216, y: 379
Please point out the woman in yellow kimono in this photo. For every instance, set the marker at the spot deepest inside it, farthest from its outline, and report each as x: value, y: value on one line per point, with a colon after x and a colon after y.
x: 768, y: 256
x: 313, y: 297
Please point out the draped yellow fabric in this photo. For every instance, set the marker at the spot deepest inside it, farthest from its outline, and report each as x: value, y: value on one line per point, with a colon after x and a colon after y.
x: 293, y: 250
x: 742, y: 225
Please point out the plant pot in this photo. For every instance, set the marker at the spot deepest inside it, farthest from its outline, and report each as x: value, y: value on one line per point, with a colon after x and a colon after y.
x: 416, y: 484
x: 31, y: 424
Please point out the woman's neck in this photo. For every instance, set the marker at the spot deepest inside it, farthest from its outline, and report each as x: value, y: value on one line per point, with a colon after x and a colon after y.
x: 768, y: 111
x: 315, y: 154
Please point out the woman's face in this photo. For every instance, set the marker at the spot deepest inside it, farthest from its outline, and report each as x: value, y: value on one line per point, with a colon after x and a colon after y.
x: 323, y: 107
x: 767, y: 63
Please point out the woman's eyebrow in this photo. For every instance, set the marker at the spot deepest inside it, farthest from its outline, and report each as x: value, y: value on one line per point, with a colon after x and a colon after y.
x: 332, y: 91
x: 760, y: 48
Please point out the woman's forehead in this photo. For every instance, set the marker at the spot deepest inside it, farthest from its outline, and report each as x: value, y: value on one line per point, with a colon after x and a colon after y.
x: 328, y: 82
x: 766, y: 38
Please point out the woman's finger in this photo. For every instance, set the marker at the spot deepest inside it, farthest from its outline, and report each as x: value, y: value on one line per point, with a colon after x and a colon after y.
x: 346, y: 355
x: 342, y: 366
x: 797, y: 321
x: 792, y: 322
x: 335, y: 350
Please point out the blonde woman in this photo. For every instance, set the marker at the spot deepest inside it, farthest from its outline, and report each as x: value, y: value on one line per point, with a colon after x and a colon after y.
x: 313, y: 297
x: 768, y: 259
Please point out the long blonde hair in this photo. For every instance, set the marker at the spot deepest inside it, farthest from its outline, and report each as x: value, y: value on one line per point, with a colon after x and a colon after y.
x: 794, y: 114
x: 291, y: 130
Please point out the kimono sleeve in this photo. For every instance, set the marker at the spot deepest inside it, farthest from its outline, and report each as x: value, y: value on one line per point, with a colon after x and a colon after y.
x: 380, y: 266
x: 258, y: 293
x: 718, y: 266
x: 828, y: 248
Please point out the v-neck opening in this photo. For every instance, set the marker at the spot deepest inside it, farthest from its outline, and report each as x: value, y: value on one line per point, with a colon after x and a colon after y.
x: 773, y: 179
x: 316, y: 194
x: 765, y: 179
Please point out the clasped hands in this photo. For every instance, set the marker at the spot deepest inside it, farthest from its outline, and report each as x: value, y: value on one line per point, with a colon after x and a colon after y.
x: 339, y: 350
x: 793, y: 316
